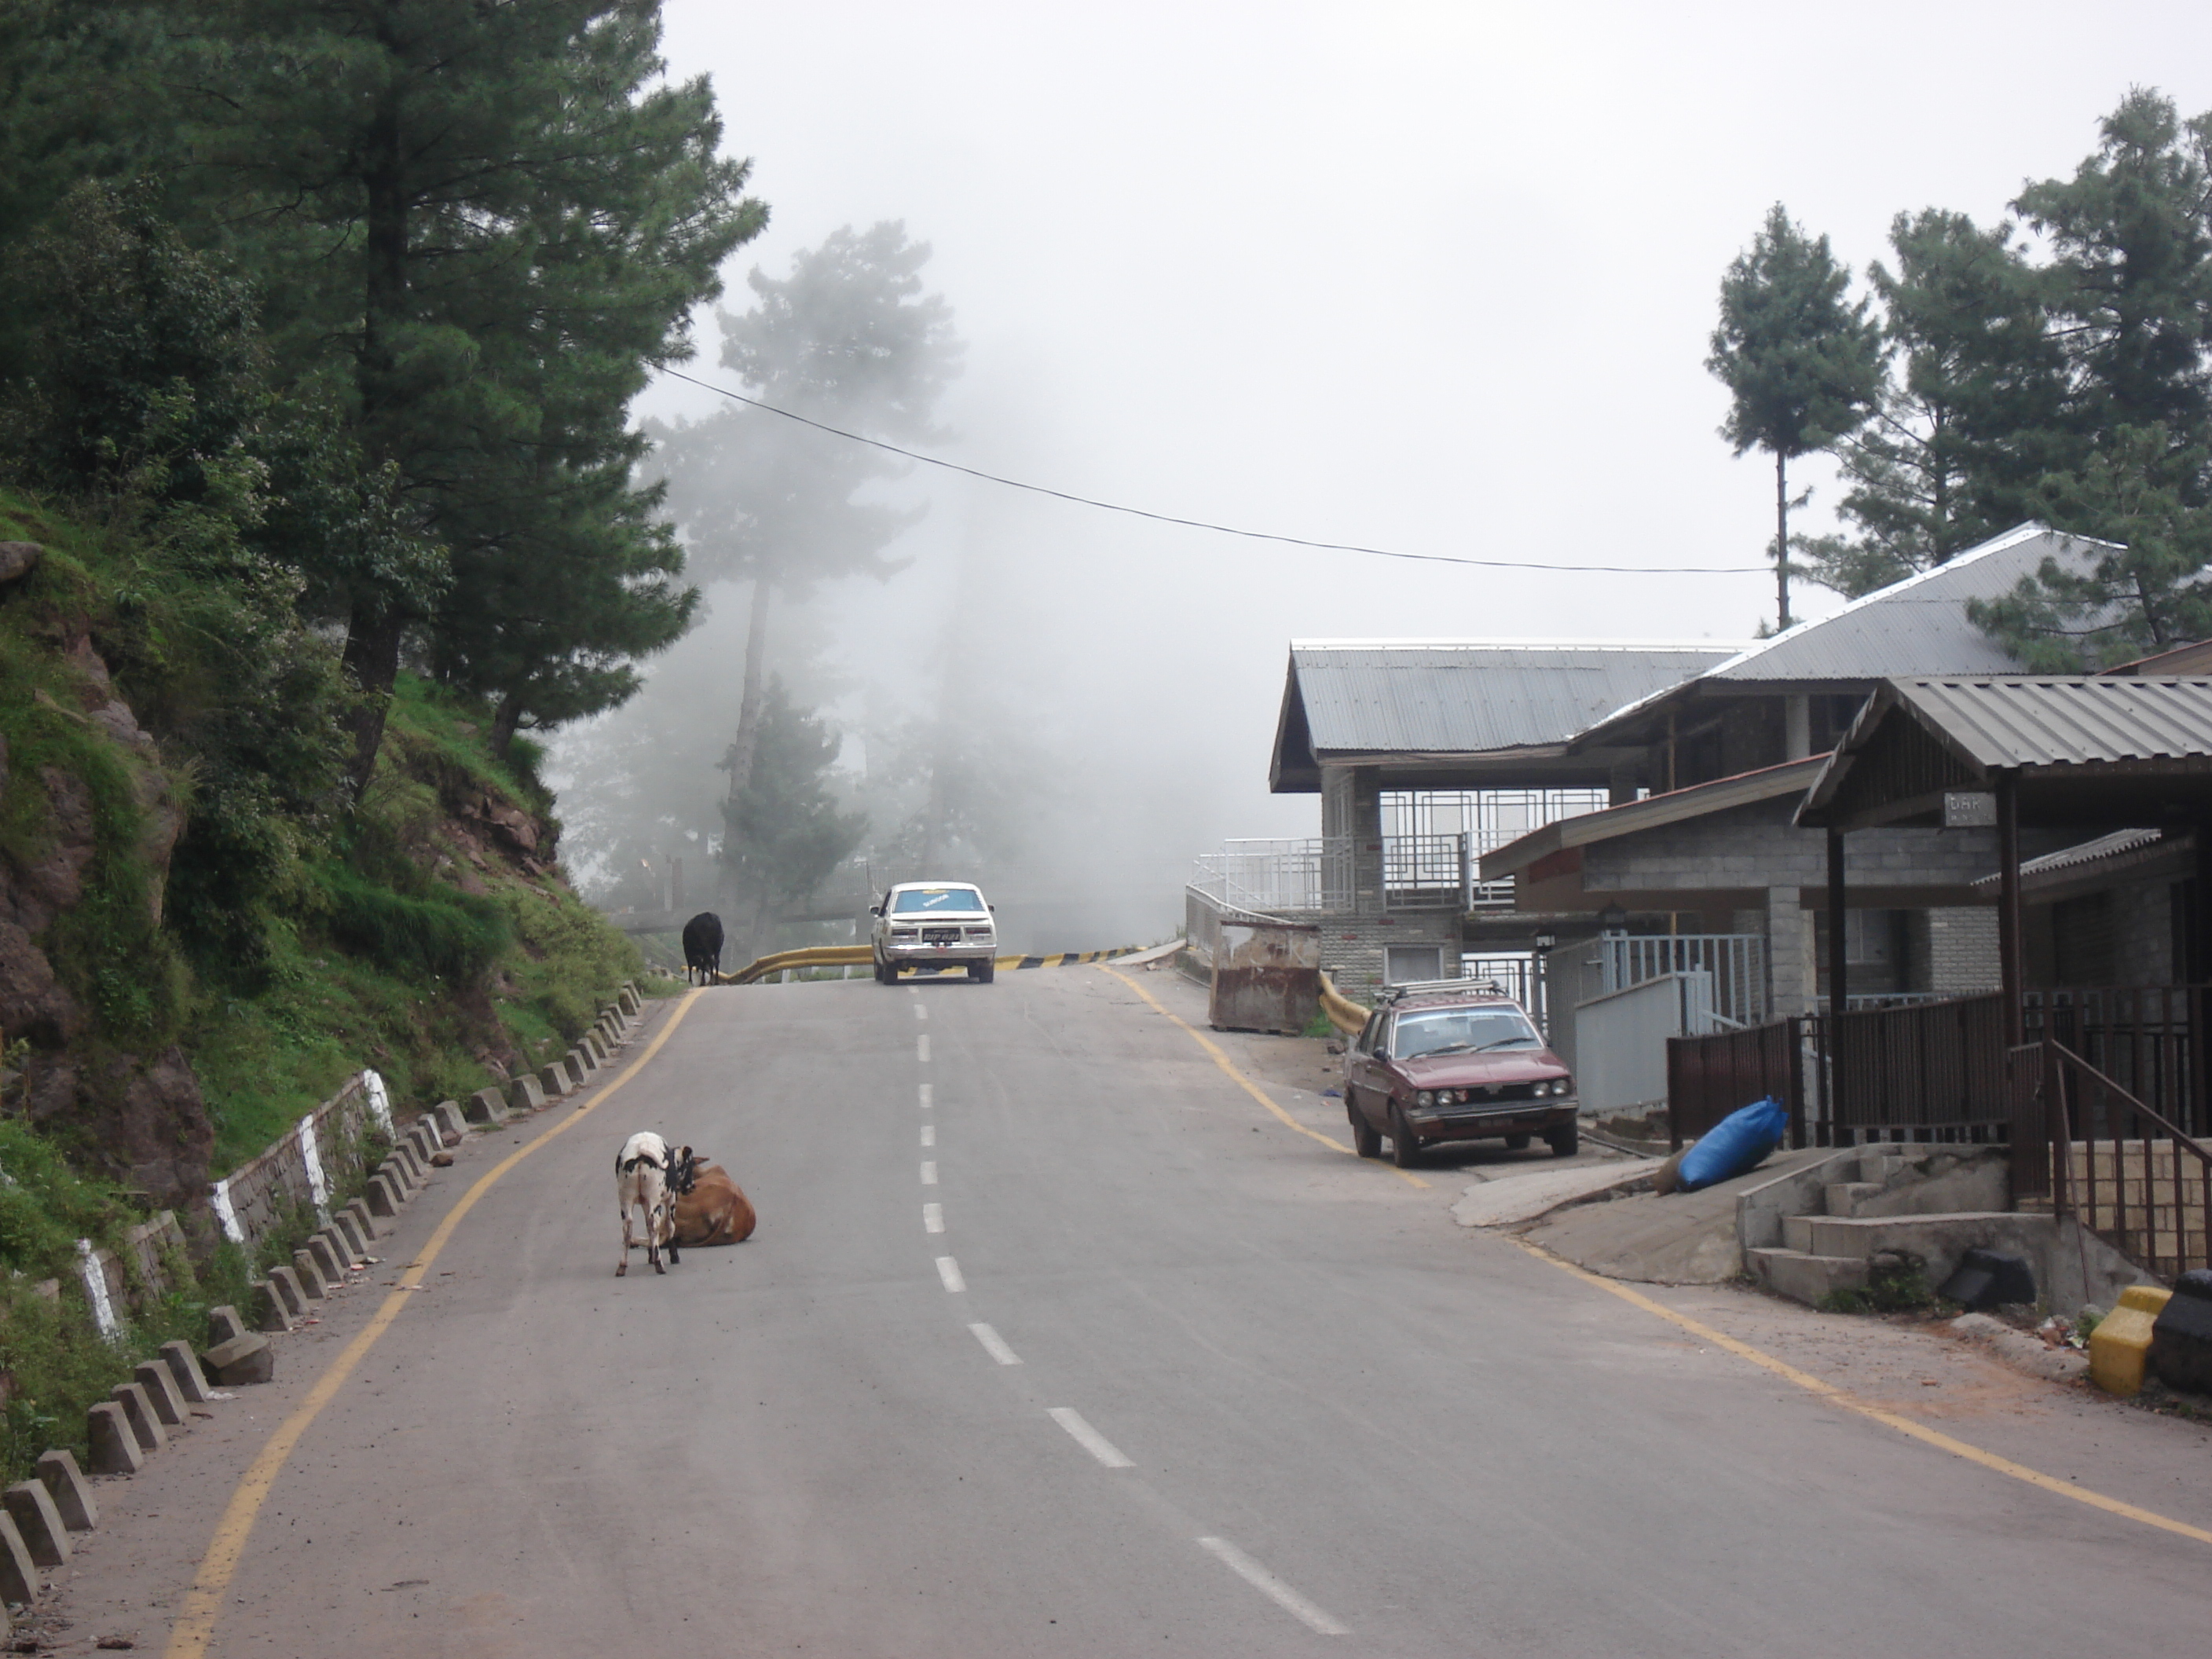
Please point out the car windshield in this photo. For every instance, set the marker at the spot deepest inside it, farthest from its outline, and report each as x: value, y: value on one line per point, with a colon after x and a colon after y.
x: 1461, y: 1031
x: 925, y: 901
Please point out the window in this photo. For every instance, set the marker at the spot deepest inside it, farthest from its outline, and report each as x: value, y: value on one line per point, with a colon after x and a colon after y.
x: 923, y: 901
x: 1461, y: 1031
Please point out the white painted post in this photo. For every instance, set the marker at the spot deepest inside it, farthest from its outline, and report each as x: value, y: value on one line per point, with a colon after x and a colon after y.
x: 219, y: 1200
x: 380, y: 1101
x: 96, y: 1287
x: 319, y: 1191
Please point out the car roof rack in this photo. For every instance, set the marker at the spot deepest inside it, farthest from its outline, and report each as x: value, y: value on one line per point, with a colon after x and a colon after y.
x: 1390, y: 993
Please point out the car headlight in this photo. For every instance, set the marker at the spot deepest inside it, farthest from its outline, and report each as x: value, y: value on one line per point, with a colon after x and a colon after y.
x: 1425, y: 1099
x: 1561, y: 1085
x: 1448, y: 1096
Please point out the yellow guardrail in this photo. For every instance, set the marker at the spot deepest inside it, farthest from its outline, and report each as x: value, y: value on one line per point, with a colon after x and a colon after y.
x: 1348, y: 1016
x: 860, y: 955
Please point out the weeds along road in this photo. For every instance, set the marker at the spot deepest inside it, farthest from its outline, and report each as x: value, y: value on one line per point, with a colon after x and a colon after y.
x: 1053, y: 1342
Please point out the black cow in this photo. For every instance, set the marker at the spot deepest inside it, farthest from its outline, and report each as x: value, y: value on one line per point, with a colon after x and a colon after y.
x: 702, y: 947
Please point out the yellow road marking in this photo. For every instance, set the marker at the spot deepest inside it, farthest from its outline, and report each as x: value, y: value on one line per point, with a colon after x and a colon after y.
x: 1834, y: 1395
x: 195, y: 1626
x: 1222, y: 1059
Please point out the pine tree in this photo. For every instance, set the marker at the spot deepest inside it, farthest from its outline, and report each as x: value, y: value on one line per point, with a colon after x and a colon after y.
x: 1971, y: 415
x: 849, y: 338
x: 1801, y: 361
x: 485, y: 225
x: 784, y: 831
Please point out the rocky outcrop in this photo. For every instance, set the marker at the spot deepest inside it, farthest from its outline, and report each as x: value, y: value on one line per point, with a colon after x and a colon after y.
x: 140, y: 1115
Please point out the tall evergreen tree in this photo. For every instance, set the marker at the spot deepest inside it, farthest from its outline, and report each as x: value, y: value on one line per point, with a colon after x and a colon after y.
x: 2131, y: 272
x: 1971, y: 414
x: 1801, y: 361
x: 785, y: 831
x: 485, y: 225
x: 849, y: 338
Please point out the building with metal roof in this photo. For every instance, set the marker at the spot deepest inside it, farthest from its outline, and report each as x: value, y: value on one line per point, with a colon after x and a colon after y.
x: 1446, y: 712
x: 1796, y: 694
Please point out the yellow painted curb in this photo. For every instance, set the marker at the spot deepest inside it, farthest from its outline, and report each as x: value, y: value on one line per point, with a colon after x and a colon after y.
x: 2121, y: 1343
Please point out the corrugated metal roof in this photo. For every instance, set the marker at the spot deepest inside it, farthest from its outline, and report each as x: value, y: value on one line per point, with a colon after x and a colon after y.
x: 2000, y: 721
x: 1470, y: 696
x: 1916, y: 626
x: 2071, y: 858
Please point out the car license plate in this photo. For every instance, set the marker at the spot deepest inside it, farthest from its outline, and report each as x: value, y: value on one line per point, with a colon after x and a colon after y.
x: 941, y: 936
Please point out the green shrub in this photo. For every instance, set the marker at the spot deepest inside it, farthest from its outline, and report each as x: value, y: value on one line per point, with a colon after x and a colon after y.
x: 451, y: 936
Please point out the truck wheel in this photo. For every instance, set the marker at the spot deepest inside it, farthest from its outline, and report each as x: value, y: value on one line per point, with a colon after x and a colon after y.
x: 1405, y: 1150
x: 1566, y: 1142
x: 1517, y: 1143
x: 885, y: 974
x: 1367, y: 1139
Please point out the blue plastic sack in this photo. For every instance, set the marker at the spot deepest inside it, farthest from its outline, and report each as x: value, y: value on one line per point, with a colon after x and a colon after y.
x: 1738, y: 1142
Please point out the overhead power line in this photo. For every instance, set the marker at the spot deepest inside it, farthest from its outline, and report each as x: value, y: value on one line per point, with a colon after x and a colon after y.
x: 1221, y: 529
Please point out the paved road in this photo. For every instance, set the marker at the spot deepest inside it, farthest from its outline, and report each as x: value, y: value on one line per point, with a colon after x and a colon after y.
x: 1268, y: 1401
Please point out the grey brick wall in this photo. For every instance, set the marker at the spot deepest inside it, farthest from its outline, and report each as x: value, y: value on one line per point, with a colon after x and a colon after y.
x: 1962, y: 950
x: 2142, y: 933
x: 1351, y: 946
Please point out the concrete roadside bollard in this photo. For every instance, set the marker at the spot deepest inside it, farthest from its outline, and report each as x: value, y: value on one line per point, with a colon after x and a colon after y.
x: 241, y: 1362
x: 309, y: 1275
x: 485, y: 1106
x: 138, y: 1411
x: 383, y: 1197
x: 410, y: 1162
x: 269, y: 1310
x: 19, y: 1574
x: 285, y: 1281
x: 426, y: 1140
x: 580, y: 1066
x: 554, y: 1080
x: 522, y: 1094
x: 153, y: 1375
x: 64, y: 1484
x: 324, y: 1252
x: 393, y: 1173
x: 31, y: 1507
x: 185, y: 1371
x: 364, y: 1219
x: 452, y: 1123
x: 344, y: 1238
x: 108, y: 1438
x: 596, y: 1046
x: 223, y: 1323
x: 629, y: 1002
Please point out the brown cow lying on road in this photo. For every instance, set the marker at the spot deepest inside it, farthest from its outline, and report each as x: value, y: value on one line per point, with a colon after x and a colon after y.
x: 713, y: 1209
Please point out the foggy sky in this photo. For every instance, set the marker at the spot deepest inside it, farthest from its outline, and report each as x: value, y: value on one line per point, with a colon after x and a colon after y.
x: 1433, y: 277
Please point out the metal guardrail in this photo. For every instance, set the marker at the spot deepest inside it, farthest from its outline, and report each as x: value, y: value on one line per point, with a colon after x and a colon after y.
x: 860, y: 955
x: 2121, y: 1169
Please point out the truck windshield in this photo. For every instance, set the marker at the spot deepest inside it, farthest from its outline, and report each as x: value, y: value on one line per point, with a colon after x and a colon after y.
x: 922, y: 900
x: 1461, y: 1031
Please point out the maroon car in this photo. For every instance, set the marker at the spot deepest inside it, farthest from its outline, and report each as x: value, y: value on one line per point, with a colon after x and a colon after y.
x: 1454, y: 1060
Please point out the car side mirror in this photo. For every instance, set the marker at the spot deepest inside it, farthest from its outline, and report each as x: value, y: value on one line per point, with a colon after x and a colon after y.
x: 993, y: 908
x: 1382, y: 1055
x: 875, y: 909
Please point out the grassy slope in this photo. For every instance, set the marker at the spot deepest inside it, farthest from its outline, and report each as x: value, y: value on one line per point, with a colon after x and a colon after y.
x: 263, y: 1059
x: 263, y: 1062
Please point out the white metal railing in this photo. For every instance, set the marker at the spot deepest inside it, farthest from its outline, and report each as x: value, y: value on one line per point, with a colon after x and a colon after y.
x: 1324, y: 875
x: 1735, y: 962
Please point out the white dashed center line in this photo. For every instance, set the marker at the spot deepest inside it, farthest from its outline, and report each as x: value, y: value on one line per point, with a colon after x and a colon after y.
x: 949, y: 1271
x: 932, y: 1218
x: 1089, y: 1438
x: 929, y: 1172
x: 1271, y: 1587
x: 995, y: 1345
x: 921, y: 1010
x: 928, y: 1095
x: 929, y: 1135
x: 921, y: 1048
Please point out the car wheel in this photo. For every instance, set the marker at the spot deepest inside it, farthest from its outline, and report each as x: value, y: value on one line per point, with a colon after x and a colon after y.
x: 1405, y: 1150
x: 1367, y: 1139
x: 1566, y: 1142
x: 1517, y: 1143
x: 982, y: 972
x: 887, y: 972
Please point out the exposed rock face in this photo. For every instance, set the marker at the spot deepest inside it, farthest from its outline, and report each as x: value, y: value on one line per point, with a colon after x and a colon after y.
x: 18, y: 559
x: 143, y: 1117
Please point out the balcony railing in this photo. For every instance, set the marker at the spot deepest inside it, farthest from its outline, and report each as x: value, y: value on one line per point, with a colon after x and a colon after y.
x: 1330, y: 875
x: 1736, y: 963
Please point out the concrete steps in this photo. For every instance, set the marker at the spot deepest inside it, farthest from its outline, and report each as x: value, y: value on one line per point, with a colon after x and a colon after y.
x: 1806, y: 1277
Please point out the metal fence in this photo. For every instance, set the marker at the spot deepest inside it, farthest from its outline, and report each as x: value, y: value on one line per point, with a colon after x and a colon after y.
x: 2107, y: 1158
x: 1709, y: 1077
x: 1735, y: 962
x: 1319, y: 875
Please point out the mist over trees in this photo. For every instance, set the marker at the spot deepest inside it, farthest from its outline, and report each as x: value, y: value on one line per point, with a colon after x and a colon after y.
x: 2059, y: 366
